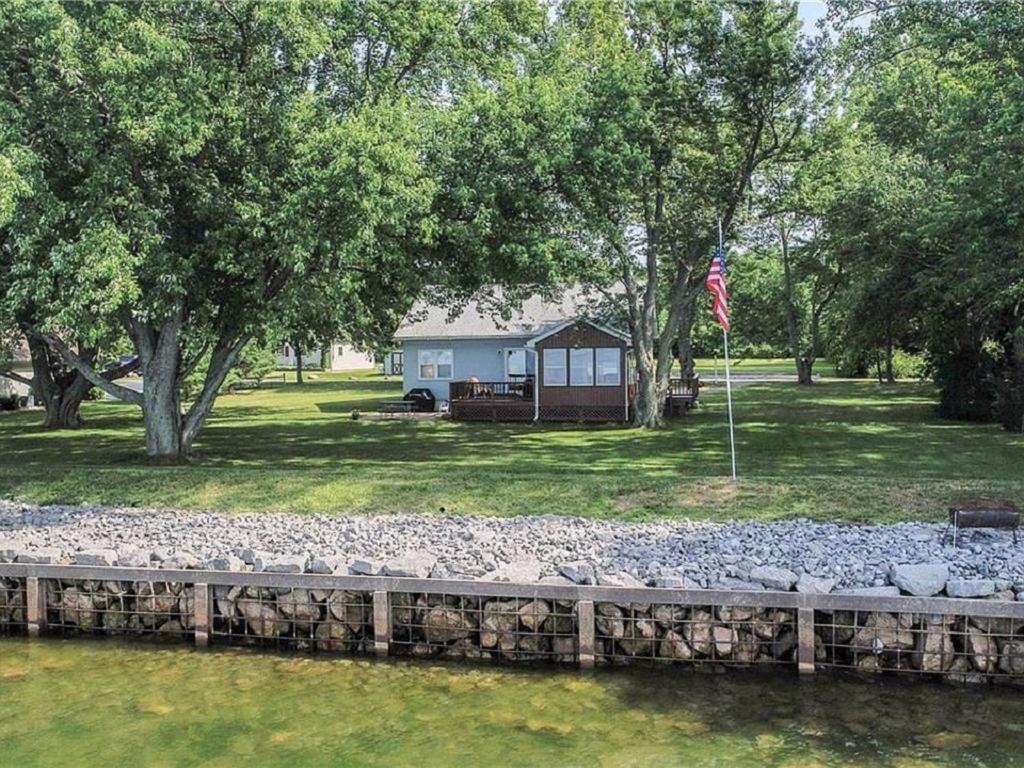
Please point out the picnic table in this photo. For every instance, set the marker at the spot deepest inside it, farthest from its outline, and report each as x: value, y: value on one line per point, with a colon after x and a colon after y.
x: 395, y: 407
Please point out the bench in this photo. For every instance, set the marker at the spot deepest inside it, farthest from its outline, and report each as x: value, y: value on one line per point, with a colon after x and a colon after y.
x: 394, y: 407
x: 983, y: 513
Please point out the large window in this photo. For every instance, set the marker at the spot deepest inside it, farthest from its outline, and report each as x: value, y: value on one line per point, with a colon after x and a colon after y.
x: 581, y: 367
x: 554, y: 368
x: 435, y: 364
x: 609, y: 372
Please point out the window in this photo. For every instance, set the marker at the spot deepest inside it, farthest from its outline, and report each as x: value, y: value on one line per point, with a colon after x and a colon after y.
x: 341, y: 351
x: 581, y: 367
x: 435, y: 364
x: 554, y: 368
x: 515, y: 364
x: 608, y: 371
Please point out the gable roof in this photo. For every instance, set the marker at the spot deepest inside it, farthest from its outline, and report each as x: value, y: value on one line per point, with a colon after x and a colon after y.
x: 480, y: 319
x: 572, y: 321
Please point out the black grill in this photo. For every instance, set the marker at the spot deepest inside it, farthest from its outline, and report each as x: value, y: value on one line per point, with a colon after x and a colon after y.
x: 423, y: 397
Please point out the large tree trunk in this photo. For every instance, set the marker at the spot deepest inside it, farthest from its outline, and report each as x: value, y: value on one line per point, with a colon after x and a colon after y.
x: 793, y: 331
x: 161, y: 395
x: 59, y: 390
x: 298, y: 364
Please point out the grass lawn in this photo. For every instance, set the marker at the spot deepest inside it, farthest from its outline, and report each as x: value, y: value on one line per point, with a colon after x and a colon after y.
x: 850, y: 450
x: 706, y: 366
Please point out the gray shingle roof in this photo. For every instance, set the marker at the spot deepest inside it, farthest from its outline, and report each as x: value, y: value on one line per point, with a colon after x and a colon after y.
x: 480, y: 318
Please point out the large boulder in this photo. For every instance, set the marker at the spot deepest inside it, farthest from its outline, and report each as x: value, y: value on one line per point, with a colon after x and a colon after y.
x: 415, y: 566
x: 674, y: 646
x: 935, y: 651
x: 609, y: 621
x: 533, y: 614
x: 697, y: 632
x: 884, y: 631
x: 499, y: 624
x: 442, y: 625
x: 262, y: 617
x: 922, y: 580
x: 1012, y: 659
x: 970, y: 587
x: 982, y: 649
x: 639, y: 638
x: 298, y: 606
x: 813, y: 585
x: 773, y: 577
x: 350, y: 608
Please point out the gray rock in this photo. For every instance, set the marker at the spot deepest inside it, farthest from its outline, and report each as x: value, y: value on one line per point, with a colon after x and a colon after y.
x: 9, y: 551
x: 675, y: 582
x: 95, y: 557
x: 271, y: 563
x: 578, y: 572
x: 970, y: 587
x: 365, y: 567
x: 621, y: 579
x: 813, y: 585
x: 224, y: 563
x: 519, y: 572
x: 411, y: 566
x: 326, y: 565
x: 44, y: 556
x: 922, y: 580
x: 773, y: 577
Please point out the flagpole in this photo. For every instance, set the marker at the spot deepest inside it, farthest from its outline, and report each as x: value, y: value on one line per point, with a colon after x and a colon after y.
x: 728, y: 380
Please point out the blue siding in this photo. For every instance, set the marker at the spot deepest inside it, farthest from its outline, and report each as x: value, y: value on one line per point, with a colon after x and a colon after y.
x: 483, y: 358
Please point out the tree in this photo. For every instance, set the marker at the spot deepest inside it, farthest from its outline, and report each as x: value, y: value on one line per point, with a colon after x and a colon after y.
x: 678, y: 105
x: 939, y: 88
x: 226, y: 158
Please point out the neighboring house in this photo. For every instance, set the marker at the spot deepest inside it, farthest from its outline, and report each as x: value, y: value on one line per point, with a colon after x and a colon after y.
x: 19, y: 361
x: 548, y: 361
x: 340, y: 357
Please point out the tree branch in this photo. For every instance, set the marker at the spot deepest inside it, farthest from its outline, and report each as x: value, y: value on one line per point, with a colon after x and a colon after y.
x: 16, y: 377
x: 93, y: 376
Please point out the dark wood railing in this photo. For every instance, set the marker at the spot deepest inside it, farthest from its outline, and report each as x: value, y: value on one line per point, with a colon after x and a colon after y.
x: 491, y: 390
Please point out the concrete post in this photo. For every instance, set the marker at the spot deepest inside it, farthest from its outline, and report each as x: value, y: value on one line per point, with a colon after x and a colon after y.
x: 585, y: 619
x: 202, y: 615
x: 805, y: 640
x: 35, y: 605
x: 381, y: 623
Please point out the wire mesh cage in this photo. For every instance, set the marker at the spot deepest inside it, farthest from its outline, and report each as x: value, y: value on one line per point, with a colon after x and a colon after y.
x: 510, y: 629
x: 323, y: 620
x: 666, y: 632
x: 158, y: 608
x: 957, y: 646
x: 13, y: 614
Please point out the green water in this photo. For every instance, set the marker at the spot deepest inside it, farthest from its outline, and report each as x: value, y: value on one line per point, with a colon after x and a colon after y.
x: 90, y: 704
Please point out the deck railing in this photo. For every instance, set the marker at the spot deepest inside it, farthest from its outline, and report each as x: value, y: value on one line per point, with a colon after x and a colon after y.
x: 491, y: 390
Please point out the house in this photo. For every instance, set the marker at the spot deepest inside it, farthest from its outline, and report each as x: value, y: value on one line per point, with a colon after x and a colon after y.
x: 545, y: 361
x: 15, y: 358
x: 339, y: 357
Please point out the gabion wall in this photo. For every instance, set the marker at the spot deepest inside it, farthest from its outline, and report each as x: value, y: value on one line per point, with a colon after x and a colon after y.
x: 158, y: 608
x: 957, y: 646
x: 296, y: 619
x: 627, y: 632
x: 13, y: 618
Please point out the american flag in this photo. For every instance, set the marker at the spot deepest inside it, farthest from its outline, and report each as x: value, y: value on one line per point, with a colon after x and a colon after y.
x: 716, y: 285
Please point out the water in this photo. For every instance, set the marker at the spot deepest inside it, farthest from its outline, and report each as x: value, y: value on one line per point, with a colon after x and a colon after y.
x: 86, y: 704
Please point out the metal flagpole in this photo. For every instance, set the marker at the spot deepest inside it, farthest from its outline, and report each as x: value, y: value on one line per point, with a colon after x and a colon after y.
x: 728, y: 380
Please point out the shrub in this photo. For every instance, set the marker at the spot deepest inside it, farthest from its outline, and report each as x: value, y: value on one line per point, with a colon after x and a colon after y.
x: 9, y: 402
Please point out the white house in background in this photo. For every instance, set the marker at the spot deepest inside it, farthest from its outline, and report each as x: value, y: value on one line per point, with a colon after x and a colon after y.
x: 18, y: 360
x: 340, y: 357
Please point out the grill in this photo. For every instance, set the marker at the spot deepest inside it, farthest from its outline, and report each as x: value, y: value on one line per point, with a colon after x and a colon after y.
x: 423, y: 397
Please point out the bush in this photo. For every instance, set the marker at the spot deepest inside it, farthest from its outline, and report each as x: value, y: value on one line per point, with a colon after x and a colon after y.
x: 9, y: 402
x: 906, y: 365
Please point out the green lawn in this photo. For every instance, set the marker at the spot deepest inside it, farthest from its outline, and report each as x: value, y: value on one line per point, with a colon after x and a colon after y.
x: 850, y: 450
x: 706, y: 366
